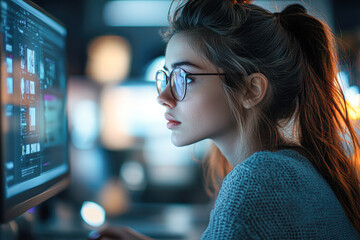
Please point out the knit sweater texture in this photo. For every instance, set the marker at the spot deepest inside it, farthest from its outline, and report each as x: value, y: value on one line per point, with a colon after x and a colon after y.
x: 277, y: 195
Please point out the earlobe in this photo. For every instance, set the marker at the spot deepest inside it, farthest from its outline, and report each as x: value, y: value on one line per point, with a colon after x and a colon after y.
x: 247, y: 104
x: 256, y: 91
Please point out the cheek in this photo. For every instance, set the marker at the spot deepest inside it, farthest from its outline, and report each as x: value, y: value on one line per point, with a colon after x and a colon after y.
x: 210, y: 109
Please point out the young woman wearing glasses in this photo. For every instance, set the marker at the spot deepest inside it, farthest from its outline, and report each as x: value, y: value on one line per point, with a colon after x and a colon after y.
x: 263, y: 87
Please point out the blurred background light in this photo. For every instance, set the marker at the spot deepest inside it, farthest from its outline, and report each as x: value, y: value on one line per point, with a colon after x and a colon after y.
x: 352, y: 94
x: 343, y: 78
x: 108, y: 59
x: 92, y: 214
x: 115, y: 133
x: 129, y: 112
x: 114, y: 197
x: 136, y: 13
x: 178, y: 218
x: 169, y: 165
x: 133, y: 174
x: 85, y: 124
x: 157, y: 64
x: 89, y: 172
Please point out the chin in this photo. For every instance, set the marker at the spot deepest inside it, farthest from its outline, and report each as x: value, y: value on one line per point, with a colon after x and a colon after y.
x: 179, y: 141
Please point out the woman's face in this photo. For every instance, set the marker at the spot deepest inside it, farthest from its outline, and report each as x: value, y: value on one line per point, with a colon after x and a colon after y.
x: 204, y: 112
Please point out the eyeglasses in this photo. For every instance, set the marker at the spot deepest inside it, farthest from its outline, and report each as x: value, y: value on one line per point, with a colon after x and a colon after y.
x: 178, y: 81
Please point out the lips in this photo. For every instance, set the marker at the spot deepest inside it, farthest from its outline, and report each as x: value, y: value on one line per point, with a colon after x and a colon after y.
x: 172, y: 122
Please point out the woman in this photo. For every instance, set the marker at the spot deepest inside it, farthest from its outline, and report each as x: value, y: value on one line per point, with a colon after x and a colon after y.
x: 263, y: 87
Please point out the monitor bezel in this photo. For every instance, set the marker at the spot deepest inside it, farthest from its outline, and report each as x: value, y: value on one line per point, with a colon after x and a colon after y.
x: 34, y: 196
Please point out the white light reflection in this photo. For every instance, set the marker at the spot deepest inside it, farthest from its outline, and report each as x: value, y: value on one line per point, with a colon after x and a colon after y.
x: 129, y: 112
x: 93, y: 214
x: 85, y: 124
x: 352, y: 94
x: 343, y: 78
x: 157, y: 64
x: 136, y: 13
x: 133, y: 174
x: 178, y: 218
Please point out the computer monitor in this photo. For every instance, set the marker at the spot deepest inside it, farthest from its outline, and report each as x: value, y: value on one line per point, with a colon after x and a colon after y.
x: 33, y: 140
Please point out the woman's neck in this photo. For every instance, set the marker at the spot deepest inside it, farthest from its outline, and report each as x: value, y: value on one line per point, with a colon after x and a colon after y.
x: 234, y: 146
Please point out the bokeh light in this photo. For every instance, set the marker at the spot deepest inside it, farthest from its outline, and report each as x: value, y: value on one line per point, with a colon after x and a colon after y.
x: 108, y: 59
x: 93, y: 214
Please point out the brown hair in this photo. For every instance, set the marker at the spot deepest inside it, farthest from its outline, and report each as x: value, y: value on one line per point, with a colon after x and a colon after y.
x: 296, y: 52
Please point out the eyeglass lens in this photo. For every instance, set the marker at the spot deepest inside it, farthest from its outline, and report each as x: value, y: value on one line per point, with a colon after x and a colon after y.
x: 161, y: 81
x: 177, y: 83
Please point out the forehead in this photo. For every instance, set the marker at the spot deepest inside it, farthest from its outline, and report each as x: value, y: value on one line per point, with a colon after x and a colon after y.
x: 180, y: 48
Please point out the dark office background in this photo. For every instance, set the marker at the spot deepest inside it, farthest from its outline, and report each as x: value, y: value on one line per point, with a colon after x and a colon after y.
x: 84, y: 21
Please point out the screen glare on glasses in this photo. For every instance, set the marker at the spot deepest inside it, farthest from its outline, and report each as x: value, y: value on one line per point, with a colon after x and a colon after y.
x: 178, y: 81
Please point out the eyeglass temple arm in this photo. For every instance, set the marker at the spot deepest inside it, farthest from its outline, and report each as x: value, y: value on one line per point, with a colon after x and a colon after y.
x: 193, y: 74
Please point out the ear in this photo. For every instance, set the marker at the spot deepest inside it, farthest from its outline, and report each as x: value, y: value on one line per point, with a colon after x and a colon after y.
x: 258, y: 85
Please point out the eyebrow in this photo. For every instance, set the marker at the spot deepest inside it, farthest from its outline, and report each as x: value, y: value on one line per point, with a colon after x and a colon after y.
x: 182, y: 63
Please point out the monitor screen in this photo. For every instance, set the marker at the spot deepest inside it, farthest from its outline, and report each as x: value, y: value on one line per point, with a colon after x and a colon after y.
x: 34, y: 154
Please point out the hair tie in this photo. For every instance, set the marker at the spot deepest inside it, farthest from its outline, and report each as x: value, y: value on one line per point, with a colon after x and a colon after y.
x: 242, y: 1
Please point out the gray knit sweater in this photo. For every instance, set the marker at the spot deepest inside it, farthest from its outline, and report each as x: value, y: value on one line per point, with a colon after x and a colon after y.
x: 277, y: 195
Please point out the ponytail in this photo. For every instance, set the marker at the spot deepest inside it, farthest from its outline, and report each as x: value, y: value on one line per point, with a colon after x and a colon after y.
x: 323, y: 114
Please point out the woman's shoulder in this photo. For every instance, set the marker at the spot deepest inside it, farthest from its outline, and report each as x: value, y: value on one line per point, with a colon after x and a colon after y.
x: 283, y: 190
x: 283, y: 175
x: 266, y: 165
x: 281, y: 158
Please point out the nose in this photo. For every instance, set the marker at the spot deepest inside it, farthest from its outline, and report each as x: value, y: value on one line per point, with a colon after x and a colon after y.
x: 166, y: 99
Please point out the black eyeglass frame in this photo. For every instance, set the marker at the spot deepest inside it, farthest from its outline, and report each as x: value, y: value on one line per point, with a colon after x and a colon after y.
x: 169, y: 79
